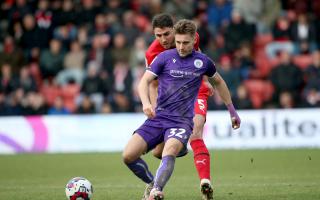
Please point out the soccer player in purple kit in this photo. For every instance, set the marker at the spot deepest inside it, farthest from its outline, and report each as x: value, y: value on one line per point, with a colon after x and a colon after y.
x: 179, y: 72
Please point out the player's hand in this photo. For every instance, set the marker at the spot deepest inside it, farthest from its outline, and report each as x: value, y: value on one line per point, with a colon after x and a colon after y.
x: 235, y: 119
x: 149, y: 111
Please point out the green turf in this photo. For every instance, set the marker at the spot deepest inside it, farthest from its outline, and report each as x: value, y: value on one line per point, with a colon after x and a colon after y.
x: 238, y: 175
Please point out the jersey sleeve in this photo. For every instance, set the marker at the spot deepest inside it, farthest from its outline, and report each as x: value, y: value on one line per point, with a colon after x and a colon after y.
x: 211, y: 68
x: 157, y: 64
x: 148, y: 58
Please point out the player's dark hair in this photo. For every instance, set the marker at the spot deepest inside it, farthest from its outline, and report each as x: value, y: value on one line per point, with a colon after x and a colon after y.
x: 185, y: 26
x: 162, y: 20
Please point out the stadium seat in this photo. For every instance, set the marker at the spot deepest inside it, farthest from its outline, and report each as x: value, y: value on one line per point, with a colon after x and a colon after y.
x: 264, y: 65
x: 261, y: 40
x: 50, y: 92
x: 260, y: 91
x: 302, y: 61
x: 69, y: 93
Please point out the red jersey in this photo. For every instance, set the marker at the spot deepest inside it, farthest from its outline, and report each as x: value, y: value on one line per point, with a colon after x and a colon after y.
x: 156, y: 48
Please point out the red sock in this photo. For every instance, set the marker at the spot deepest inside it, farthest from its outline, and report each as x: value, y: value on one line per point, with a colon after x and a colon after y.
x: 201, y: 158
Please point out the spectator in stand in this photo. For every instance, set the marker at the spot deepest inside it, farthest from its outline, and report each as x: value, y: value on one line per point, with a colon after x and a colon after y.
x: 6, y: 79
x: 120, y: 50
x: 101, y: 26
x: 245, y: 58
x: 3, y: 106
x: 238, y: 32
x: 216, y: 48
x: 203, y: 31
x: 286, y: 100
x: 137, y: 73
x: 219, y: 15
x: 87, y: 12
x: 129, y: 28
x: 137, y: 52
x: 26, y: 81
x: 93, y: 87
x: 286, y: 77
x: 260, y: 12
x: 121, y: 103
x: 100, y: 53
x: 281, y: 34
x: 66, y: 15
x: 230, y: 74
x: 31, y: 37
x: 43, y: 16
x: 51, y: 60
x: 16, y: 103
x: 303, y: 31
x: 18, y: 11
x: 242, y: 99
x: 17, y: 32
x: 312, y: 73
x: 12, y: 55
x: 36, y: 104
x: 122, y: 96
x: 215, y: 103
x: 106, y: 108
x: 311, y: 91
x: 66, y: 34
x: 83, y: 37
x: 115, y: 8
x: 86, y: 106
x: 73, y: 63
x: 180, y: 9
x: 311, y: 98
x: 58, y: 107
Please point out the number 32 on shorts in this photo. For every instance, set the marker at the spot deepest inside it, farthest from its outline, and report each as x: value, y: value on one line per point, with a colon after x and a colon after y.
x: 178, y: 132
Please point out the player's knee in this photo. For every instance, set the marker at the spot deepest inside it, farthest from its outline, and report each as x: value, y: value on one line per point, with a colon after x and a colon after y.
x: 197, y: 130
x: 128, y: 157
x: 157, y: 154
x: 195, y: 136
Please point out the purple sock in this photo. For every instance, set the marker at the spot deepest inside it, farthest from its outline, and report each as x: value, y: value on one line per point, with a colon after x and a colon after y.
x: 140, y: 169
x: 164, y: 172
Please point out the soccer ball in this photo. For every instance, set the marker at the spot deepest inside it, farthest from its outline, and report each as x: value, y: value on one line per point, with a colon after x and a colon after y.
x: 79, y: 188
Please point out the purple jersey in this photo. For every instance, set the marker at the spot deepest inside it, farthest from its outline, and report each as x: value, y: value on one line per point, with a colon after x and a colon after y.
x: 179, y: 81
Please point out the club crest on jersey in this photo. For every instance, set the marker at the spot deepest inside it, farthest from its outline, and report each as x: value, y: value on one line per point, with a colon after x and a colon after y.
x: 198, y: 63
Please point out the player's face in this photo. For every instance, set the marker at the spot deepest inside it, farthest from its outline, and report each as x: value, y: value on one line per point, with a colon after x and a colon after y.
x: 184, y: 44
x: 165, y: 37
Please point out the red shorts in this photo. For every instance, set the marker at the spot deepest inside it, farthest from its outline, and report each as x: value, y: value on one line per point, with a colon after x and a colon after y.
x: 201, y: 106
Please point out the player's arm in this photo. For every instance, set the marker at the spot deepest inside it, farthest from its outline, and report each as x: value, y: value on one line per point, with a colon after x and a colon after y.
x: 153, y: 87
x: 224, y: 93
x: 153, y: 92
x: 208, y: 84
x: 143, y: 89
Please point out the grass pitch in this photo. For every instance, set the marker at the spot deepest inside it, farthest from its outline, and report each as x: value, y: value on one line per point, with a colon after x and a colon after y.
x: 238, y: 175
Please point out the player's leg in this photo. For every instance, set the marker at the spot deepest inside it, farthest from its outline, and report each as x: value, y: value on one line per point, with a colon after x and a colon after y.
x: 175, y: 140
x: 171, y: 149
x: 200, y: 151
x: 131, y: 157
x: 157, y: 152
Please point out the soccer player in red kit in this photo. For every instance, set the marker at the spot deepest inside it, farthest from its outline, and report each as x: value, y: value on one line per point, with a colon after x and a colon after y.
x: 163, y: 31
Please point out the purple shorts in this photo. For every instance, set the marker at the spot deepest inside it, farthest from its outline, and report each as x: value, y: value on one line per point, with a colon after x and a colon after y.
x: 156, y: 130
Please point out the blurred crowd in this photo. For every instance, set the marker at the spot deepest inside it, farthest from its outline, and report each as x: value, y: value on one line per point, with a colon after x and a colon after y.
x: 87, y: 56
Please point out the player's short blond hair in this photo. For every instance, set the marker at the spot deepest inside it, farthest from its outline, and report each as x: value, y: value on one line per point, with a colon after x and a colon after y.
x: 185, y: 26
